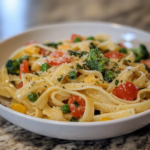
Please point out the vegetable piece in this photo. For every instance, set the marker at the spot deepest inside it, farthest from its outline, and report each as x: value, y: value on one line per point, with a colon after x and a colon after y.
x: 96, y: 60
x: 109, y: 76
x: 72, y: 75
x: 20, y: 85
x: 65, y: 108
x: 76, y: 53
x: 141, y: 53
x: 73, y: 119
x: 32, y: 97
x: 20, y: 60
x: 76, y: 111
x: 90, y: 38
x: 123, y: 50
x: 97, y: 112
x: 58, y: 57
x: 19, y: 107
x: 59, y: 79
x: 13, y: 67
x: 45, y: 67
x: 76, y: 38
x: 54, y: 45
x: 121, y: 45
x: 64, y: 47
x: 24, y: 68
x: 92, y: 45
x: 146, y: 62
x: 127, y: 91
x: 114, y: 55
x: 32, y: 50
x: 44, y: 52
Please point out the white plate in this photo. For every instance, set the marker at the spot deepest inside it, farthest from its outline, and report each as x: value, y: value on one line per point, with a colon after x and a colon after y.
x: 72, y: 130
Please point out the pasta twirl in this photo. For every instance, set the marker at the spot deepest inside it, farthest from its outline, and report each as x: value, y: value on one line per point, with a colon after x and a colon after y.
x: 84, y: 79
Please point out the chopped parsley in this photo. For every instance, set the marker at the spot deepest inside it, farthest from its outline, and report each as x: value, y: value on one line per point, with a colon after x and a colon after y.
x: 36, y: 73
x: 59, y: 79
x: 76, y: 53
x: 78, y: 66
x: 96, y: 82
x: 76, y: 103
x: 116, y: 82
x: 63, y: 87
x: 72, y: 67
x: 97, y: 112
x: 39, y: 93
x: 73, y: 119
x: 12, y: 81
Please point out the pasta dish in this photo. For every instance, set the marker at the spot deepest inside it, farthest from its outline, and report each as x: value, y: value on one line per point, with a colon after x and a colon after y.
x: 83, y: 79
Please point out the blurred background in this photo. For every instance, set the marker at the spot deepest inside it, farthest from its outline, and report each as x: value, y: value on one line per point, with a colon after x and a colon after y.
x: 17, y: 16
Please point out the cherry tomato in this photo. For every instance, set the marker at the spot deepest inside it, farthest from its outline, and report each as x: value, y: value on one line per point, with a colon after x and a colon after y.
x: 77, y: 106
x: 127, y: 91
x: 20, y: 85
x: 114, y: 55
x: 146, y: 62
x: 75, y: 36
x: 24, y: 67
x: 44, y: 52
x: 31, y: 42
x: 59, y: 57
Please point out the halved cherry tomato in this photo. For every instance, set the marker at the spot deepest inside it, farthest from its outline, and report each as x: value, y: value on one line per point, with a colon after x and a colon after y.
x: 31, y: 42
x: 127, y: 91
x: 75, y: 36
x: 146, y: 62
x: 24, y: 67
x: 44, y: 52
x: 77, y: 106
x: 114, y: 55
x: 58, y: 57
x: 121, y: 45
x: 20, y: 85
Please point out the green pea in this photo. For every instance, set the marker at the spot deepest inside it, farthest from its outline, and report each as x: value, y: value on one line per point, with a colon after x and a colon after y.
x: 65, y: 108
x: 73, y: 119
x: 123, y: 50
x: 90, y: 38
x: 77, y: 40
x: 45, y: 67
x: 32, y: 97
x: 72, y: 75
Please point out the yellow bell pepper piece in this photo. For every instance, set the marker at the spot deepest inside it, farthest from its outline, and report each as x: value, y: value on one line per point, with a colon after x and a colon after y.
x: 32, y: 50
x: 18, y: 107
x: 32, y: 58
x: 64, y: 47
x: 105, y: 119
x: 94, y: 81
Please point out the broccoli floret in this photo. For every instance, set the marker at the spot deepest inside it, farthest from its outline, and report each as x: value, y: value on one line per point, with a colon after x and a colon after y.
x: 141, y: 53
x: 13, y: 66
x: 109, y: 76
x: 96, y: 60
